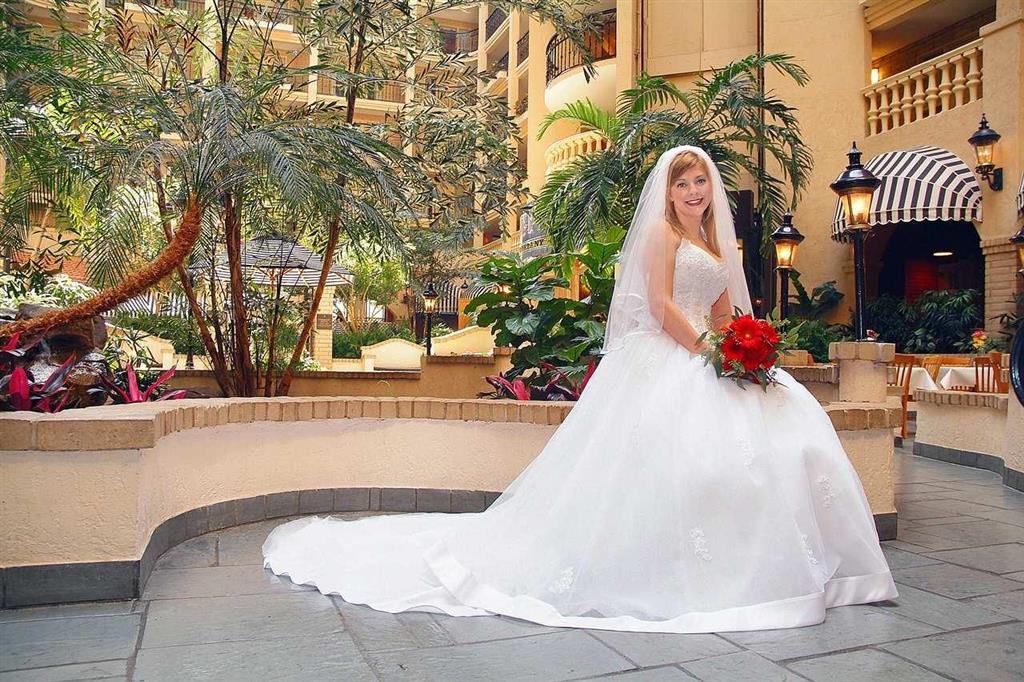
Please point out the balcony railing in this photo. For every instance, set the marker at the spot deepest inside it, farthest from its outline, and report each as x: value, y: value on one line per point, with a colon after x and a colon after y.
x: 192, y: 6
x: 523, y: 48
x: 522, y: 105
x: 381, y: 92
x: 495, y: 19
x: 946, y: 82
x: 454, y: 41
x: 502, y: 63
x: 563, y: 54
x: 562, y: 153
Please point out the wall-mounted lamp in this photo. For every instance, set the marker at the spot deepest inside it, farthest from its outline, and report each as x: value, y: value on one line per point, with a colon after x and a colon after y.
x: 984, y: 142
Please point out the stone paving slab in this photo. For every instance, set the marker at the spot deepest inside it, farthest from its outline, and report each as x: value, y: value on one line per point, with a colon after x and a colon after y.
x: 564, y: 655
x: 210, y: 611
x: 744, y: 666
x: 333, y: 657
x: 952, y: 581
x: 60, y: 641
x: 173, y: 622
x: 1008, y: 558
x: 986, y: 654
x: 647, y: 649
x: 859, y: 666
x: 100, y: 670
x: 845, y: 628
x: 938, y: 611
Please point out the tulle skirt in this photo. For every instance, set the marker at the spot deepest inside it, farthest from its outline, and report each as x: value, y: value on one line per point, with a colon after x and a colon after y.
x: 668, y: 501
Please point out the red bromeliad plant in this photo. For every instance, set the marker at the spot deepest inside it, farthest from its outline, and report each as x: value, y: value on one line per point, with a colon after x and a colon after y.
x: 554, y: 383
x: 133, y: 394
x: 18, y: 392
x: 747, y: 349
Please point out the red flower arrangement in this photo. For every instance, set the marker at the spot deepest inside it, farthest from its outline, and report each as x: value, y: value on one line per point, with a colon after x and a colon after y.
x: 747, y: 349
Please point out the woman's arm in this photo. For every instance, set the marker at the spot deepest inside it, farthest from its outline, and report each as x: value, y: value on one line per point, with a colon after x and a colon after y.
x: 662, y: 259
x: 721, y: 311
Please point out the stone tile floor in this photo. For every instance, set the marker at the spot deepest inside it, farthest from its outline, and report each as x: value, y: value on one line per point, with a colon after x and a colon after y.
x: 211, y: 612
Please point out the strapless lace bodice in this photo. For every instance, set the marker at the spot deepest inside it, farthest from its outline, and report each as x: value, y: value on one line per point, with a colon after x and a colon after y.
x: 698, y: 282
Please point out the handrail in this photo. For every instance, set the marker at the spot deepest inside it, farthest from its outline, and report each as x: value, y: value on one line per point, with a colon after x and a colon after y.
x: 523, y: 48
x: 563, y: 54
x: 454, y: 41
x: 495, y: 19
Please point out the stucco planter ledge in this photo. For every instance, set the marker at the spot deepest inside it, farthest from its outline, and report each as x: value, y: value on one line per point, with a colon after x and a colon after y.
x: 90, y: 498
x: 982, y: 430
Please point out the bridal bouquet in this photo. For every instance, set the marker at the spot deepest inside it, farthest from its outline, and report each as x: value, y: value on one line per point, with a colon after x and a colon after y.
x: 747, y: 349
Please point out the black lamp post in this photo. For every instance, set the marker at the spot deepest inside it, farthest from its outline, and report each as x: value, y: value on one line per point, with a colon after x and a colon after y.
x: 786, y: 239
x: 984, y: 142
x: 855, y: 187
x: 429, y: 303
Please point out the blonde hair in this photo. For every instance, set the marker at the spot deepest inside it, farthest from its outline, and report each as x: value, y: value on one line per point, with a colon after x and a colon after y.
x: 683, y: 162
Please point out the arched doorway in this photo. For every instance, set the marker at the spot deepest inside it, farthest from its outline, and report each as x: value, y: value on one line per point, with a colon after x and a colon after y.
x: 908, y: 258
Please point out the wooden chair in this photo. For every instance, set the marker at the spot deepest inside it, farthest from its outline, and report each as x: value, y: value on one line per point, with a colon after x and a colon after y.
x: 988, y: 375
x: 931, y: 364
x: 903, y: 366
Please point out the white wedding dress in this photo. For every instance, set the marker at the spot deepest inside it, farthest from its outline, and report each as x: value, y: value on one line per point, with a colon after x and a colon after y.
x: 668, y: 501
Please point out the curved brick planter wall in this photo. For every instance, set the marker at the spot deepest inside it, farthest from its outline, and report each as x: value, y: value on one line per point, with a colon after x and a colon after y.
x: 970, y: 429
x: 91, y: 498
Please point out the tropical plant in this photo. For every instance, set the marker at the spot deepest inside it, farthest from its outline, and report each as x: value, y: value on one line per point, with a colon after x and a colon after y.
x: 551, y: 383
x: 125, y: 387
x: 725, y: 113
x: 937, y: 322
x: 20, y: 392
x: 817, y: 304
x: 525, y: 313
x: 347, y: 344
x: 815, y: 336
x: 129, y: 137
x: 34, y: 285
x: 180, y: 331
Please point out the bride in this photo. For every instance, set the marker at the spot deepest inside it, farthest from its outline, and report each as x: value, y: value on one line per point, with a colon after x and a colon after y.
x: 668, y: 501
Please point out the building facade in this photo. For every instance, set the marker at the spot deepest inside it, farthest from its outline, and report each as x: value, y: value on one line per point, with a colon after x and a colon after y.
x: 891, y: 75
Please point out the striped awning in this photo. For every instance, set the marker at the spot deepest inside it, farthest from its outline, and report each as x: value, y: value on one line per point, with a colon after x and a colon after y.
x: 923, y: 183
x: 448, y: 298
x: 143, y: 304
x: 267, y: 260
x: 1020, y: 195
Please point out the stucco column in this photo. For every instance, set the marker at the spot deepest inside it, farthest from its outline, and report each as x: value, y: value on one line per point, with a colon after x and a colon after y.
x: 862, y: 370
x: 1003, y: 45
x: 323, y: 329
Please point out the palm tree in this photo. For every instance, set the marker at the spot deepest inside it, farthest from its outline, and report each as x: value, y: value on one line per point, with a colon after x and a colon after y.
x: 222, y: 159
x: 725, y: 113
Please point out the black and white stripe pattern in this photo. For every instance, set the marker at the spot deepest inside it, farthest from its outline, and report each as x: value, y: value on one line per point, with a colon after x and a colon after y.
x: 923, y: 183
x: 143, y: 304
x: 267, y: 259
x: 448, y: 298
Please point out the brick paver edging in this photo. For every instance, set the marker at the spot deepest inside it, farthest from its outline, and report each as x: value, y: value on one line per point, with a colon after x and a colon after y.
x: 997, y: 401
x: 127, y: 427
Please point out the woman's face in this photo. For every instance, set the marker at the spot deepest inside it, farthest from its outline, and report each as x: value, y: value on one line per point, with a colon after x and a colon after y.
x: 691, y: 193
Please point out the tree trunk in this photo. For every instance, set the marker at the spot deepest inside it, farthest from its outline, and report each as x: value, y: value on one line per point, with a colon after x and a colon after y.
x: 332, y: 245
x: 173, y: 255
x: 245, y: 376
x: 216, y: 359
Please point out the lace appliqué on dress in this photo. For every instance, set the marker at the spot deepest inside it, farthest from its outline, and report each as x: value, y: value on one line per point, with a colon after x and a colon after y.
x: 564, y: 582
x: 747, y: 450
x: 828, y: 494
x: 807, y: 550
x: 700, y: 544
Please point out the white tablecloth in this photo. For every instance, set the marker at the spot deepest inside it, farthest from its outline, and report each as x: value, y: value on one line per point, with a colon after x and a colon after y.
x: 957, y: 376
x: 919, y: 378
